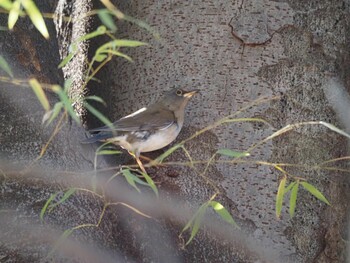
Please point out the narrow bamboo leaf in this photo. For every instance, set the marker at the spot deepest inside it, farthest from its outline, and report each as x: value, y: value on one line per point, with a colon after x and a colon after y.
x: 5, y: 66
x: 293, y: 199
x: 315, y: 192
x: 280, y: 196
x: 36, y: 17
x: 167, y: 153
x: 66, y: 195
x: 67, y: 84
x: 98, y: 32
x: 99, y: 115
x: 96, y: 98
x: 119, y: 43
x: 6, y: 4
x: 67, y: 59
x: 119, y: 54
x: 139, y: 181
x: 74, y: 47
x: 289, y: 187
x: 142, y: 24
x: 43, y: 210
x: 14, y: 13
x: 105, y: 146
x: 67, y: 233
x: 151, y: 183
x: 333, y: 128
x: 189, y: 224
x: 108, y: 152
x: 135, y: 178
x: 66, y: 102
x: 95, y: 79
x: 222, y: 212
x: 100, y: 57
x: 230, y: 153
x: 39, y: 92
x: 107, y: 19
x: 197, y: 221
x: 94, y: 182
x: 62, y: 238
x: 195, y: 228
x: 52, y: 114
x: 128, y: 176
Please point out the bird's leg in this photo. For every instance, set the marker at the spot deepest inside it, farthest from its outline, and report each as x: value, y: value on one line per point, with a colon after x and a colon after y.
x: 141, y: 165
x: 146, y: 158
x: 137, y: 158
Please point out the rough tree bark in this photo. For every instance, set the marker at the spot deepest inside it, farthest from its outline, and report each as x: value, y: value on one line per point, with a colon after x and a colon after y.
x: 235, y: 52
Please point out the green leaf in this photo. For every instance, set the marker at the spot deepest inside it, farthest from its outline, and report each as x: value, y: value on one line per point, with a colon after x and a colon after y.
x: 74, y: 46
x: 95, y: 79
x: 5, y: 66
x: 67, y: 84
x: 96, y: 98
x: 98, y: 32
x: 222, y: 212
x: 137, y: 179
x: 107, y: 19
x: 6, y: 4
x: 67, y: 59
x: 130, y: 179
x: 167, y: 153
x: 14, y: 13
x: 43, y: 210
x: 230, y: 153
x: 100, y: 57
x: 94, y: 181
x: 39, y: 92
x: 142, y: 24
x: 66, y: 195
x: 280, y: 196
x: 119, y: 43
x: 150, y: 183
x: 293, y: 199
x: 99, y: 115
x: 66, y: 102
x: 119, y: 54
x: 108, y: 152
x: 62, y: 238
x: 36, y: 17
x: 289, y: 187
x: 315, y: 192
x: 195, y: 228
x: 196, y: 221
x: 52, y: 114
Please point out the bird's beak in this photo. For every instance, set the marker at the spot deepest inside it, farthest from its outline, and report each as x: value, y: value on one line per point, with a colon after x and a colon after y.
x: 189, y: 94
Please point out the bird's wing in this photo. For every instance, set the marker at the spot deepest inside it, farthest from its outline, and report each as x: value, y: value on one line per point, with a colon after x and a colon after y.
x: 149, y: 119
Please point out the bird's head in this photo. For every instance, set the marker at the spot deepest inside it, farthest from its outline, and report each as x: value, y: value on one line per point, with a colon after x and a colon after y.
x: 176, y: 98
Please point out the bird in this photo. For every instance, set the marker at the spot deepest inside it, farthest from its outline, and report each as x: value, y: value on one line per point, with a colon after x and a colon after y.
x: 149, y: 128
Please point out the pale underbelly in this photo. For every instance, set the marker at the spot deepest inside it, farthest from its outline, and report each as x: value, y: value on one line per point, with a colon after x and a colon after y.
x: 154, y: 142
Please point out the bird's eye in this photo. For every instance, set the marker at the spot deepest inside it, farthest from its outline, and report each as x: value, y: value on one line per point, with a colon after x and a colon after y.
x: 179, y: 92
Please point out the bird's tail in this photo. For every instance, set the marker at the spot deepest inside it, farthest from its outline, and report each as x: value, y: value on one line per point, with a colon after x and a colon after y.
x: 97, y: 137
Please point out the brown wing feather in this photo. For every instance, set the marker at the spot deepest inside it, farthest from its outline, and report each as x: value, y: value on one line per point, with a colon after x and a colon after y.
x: 149, y: 119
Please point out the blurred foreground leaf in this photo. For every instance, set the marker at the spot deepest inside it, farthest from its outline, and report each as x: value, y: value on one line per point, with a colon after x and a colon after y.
x: 5, y: 66
x: 39, y: 92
